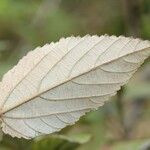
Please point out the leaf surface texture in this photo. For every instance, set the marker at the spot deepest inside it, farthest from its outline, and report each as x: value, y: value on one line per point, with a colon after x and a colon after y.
x: 54, y: 85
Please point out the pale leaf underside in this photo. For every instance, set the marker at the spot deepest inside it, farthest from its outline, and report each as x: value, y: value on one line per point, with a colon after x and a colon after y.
x: 54, y: 85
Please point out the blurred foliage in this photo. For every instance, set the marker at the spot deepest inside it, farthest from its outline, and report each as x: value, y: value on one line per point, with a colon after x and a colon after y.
x: 58, y: 142
x: 55, y: 142
x: 123, y: 124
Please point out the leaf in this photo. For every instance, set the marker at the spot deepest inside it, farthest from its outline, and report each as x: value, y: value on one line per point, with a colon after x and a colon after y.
x: 54, y: 85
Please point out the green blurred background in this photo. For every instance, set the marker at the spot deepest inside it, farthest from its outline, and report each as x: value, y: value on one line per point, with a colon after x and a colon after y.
x: 124, y: 122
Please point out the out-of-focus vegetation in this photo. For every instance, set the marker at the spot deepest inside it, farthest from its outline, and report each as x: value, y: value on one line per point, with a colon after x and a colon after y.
x: 124, y: 122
